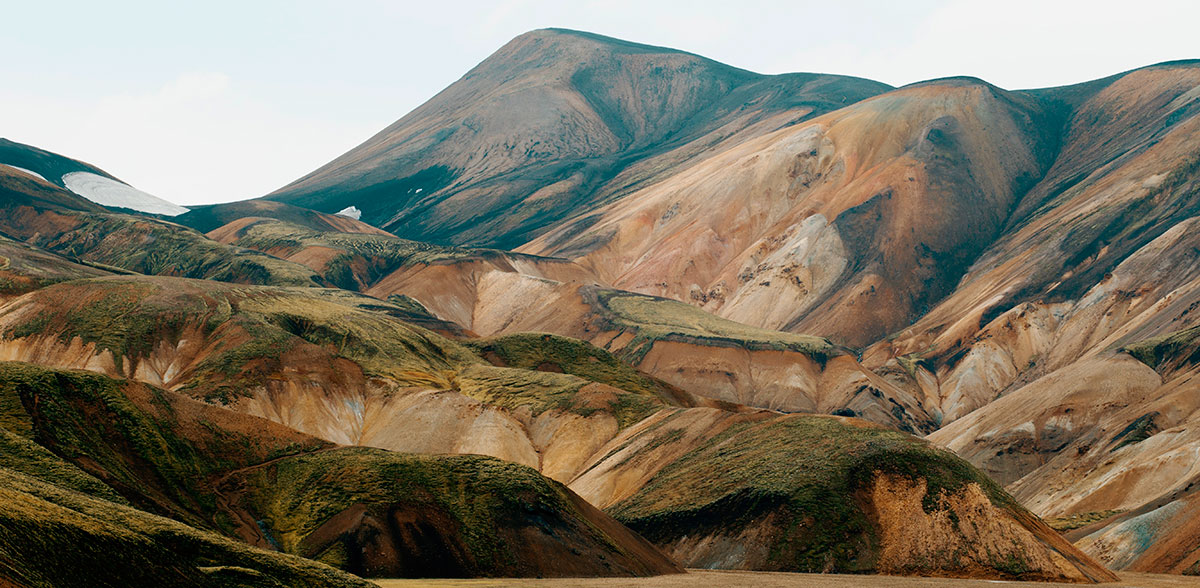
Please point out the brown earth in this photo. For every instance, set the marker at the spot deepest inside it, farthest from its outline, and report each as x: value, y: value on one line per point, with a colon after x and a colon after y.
x: 721, y: 579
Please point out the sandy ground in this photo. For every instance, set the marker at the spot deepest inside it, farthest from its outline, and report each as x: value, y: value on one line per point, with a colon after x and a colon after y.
x: 718, y: 579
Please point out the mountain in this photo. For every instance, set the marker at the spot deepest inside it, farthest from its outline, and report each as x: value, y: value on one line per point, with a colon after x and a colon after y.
x: 48, y: 217
x: 370, y: 512
x: 83, y: 179
x: 992, y: 267
x: 821, y: 494
x: 551, y: 125
x: 344, y: 368
x: 917, y: 330
x: 206, y: 218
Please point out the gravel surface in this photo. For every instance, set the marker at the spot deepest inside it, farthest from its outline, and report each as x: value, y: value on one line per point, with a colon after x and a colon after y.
x: 721, y: 579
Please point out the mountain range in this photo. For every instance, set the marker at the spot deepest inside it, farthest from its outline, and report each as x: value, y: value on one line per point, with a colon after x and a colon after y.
x: 602, y: 308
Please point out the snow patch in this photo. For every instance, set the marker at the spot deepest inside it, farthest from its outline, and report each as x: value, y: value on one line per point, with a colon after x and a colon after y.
x: 350, y: 212
x: 26, y: 171
x: 109, y: 192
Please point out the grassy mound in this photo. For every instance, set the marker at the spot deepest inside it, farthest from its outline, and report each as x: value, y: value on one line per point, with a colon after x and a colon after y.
x: 1168, y: 352
x: 554, y: 353
x: 53, y: 536
x: 156, y: 449
x: 379, y: 513
x: 254, y: 334
x: 212, y: 216
x: 147, y: 246
x: 24, y: 268
x: 797, y: 483
x: 660, y: 319
x: 360, y: 259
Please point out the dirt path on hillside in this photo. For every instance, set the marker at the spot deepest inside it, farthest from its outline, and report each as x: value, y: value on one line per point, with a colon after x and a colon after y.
x: 721, y: 579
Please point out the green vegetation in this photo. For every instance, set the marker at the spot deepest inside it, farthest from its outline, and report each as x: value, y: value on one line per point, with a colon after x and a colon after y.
x: 1080, y: 520
x: 1169, y: 351
x: 206, y: 467
x: 911, y: 363
x: 513, y: 388
x: 255, y: 332
x: 24, y: 268
x: 53, y: 536
x: 1139, y: 430
x: 297, y: 495
x: 154, y: 247
x: 22, y: 455
x: 128, y: 435
x: 455, y: 516
x: 659, y: 319
x: 802, y: 472
x: 362, y: 260
x: 554, y: 353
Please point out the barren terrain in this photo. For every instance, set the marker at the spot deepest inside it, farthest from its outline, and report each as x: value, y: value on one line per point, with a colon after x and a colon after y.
x: 720, y: 579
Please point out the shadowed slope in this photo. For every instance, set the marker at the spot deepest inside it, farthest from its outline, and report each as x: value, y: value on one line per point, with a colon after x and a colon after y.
x: 212, y: 468
x: 24, y: 268
x: 208, y: 217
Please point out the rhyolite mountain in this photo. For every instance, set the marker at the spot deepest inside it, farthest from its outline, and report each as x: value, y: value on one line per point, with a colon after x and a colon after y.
x: 994, y: 259
x: 615, y: 269
x: 553, y: 123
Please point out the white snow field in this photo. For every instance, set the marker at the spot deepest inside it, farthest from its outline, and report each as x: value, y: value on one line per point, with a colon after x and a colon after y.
x: 108, y: 192
x: 28, y: 171
x: 350, y: 211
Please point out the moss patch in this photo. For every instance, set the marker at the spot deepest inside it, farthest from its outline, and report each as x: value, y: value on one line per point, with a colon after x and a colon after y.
x: 52, y: 536
x: 1168, y: 352
x: 659, y: 319
x: 140, y: 451
x: 1080, y: 520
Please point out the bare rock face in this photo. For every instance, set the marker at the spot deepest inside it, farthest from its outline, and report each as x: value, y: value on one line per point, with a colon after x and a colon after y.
x: 969, y: 536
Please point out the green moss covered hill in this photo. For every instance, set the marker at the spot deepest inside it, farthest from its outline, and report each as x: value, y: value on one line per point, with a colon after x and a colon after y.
x: 651, y: 319
x: 253, y: 334
x: 80, y: 453
x: 108, y: 453
x: 384, y: 514
x: 47, y: 216
x: 806, y: 489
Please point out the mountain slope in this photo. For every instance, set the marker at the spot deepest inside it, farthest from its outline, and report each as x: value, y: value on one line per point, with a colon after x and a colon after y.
x: 277, y: 488
x: 50, y: 218
x: 83, y: 179
x: 848, y: 226
x: 550, y: 125
x: 819, y: 494
x: 212, y: 216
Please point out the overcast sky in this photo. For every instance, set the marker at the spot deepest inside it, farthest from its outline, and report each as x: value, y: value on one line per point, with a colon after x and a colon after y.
x: 217, y: 101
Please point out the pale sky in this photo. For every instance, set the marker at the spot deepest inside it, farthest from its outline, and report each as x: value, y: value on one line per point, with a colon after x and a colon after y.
x: 215, y: 101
